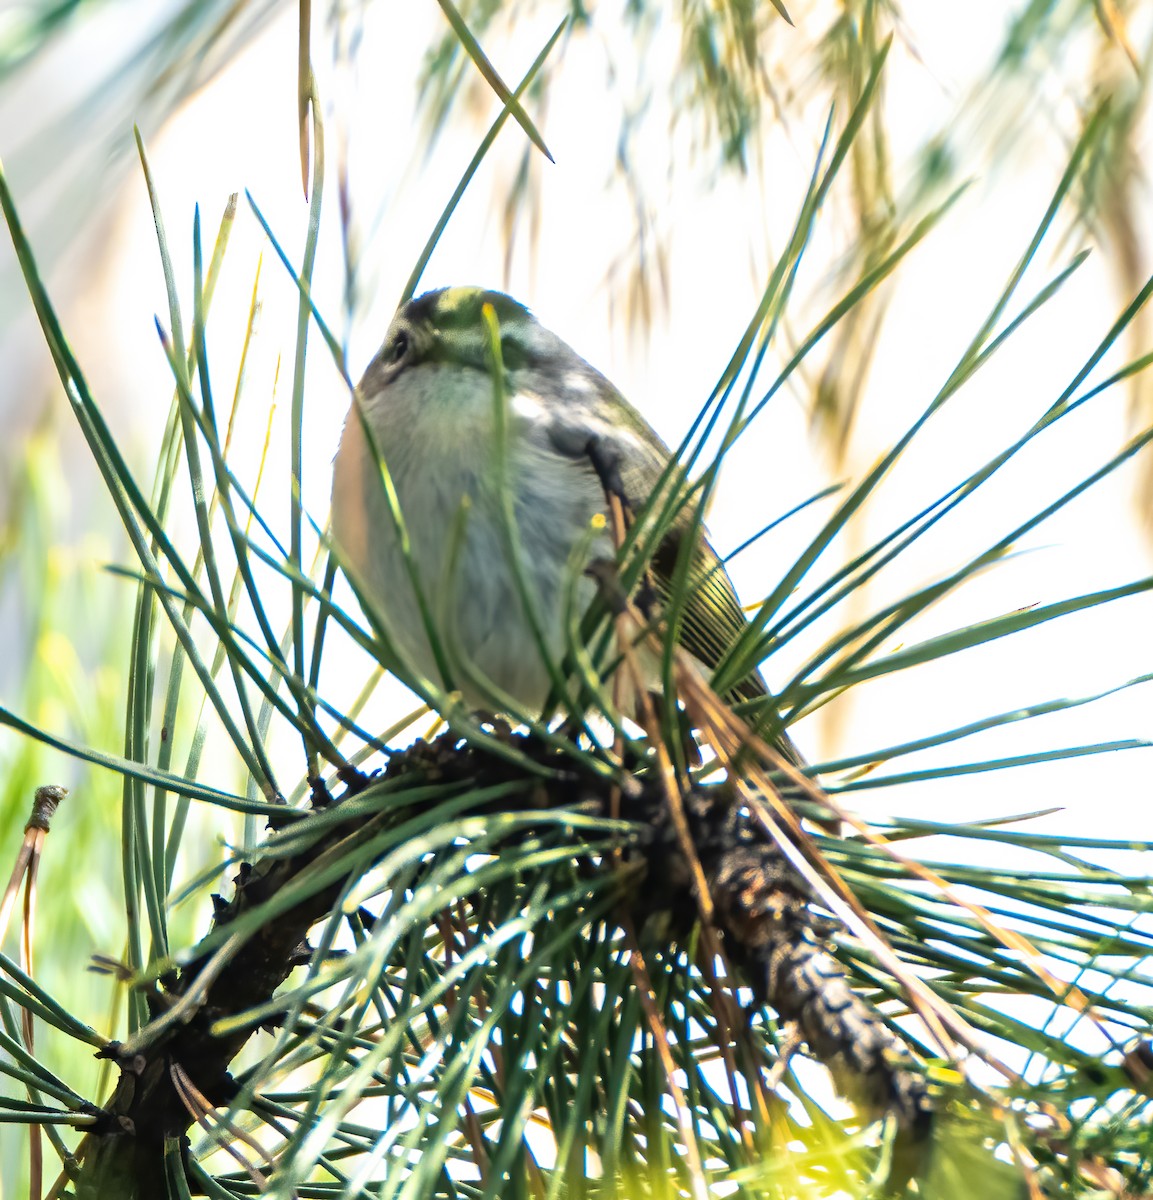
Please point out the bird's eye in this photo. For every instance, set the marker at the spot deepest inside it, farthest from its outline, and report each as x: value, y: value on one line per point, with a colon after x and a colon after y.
x: 399, y: 348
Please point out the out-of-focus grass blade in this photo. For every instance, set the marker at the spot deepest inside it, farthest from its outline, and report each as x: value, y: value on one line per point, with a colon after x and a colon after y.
x: 1024, y: 713
x: 200, y: 501
x: 305, y: 85
x: 784, y: 12
x: 143, y: 857
x: 746, y: 650
x: 296, y: 421
x: 167, y: 834
x: 993, y: 764
x: 981, y: 831
x: 800, y: 694
x: 765, y: 321
x: 330, y: 339
x: 471, y: 169
x: 205, y: 420
x: 137, y: 770
x: 174, y: 319
x: 743, y: 651
x: 856, y: 572
x: 816, y: 498
x: 232, y: 637
x: 510, y: 100
x: 883, y: 625
x: 326, y: 586
x: 29, y: 994
x: 771, y: 308
x: 175, y: 828
x: 504, y: 474
x: 134, y: 510
x: 1112, y: 21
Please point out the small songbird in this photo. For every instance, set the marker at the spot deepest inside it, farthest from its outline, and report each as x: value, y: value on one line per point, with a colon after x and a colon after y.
x: 428, y: 401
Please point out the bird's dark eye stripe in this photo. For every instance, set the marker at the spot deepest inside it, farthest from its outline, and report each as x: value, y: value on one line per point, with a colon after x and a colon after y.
x: 398, y: 349
x: 513, y: 354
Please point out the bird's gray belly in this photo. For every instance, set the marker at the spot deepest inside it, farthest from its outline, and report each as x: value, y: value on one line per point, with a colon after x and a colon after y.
x: 464, y: 560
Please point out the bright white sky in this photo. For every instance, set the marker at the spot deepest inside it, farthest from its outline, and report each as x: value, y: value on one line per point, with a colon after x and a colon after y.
x: 240, y: 133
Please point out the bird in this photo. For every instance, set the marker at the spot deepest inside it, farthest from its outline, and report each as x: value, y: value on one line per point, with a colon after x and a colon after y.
x: 425, y: 409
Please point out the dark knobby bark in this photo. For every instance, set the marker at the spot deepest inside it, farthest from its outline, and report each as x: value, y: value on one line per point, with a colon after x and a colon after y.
x: 763, y: 913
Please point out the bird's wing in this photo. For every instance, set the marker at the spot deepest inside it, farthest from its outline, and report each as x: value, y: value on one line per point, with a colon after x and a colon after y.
x: 630, y: 458
x: 629, y: 455
x: 711, y: 617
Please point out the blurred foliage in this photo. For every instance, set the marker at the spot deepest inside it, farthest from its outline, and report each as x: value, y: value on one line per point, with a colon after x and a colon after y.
x: 739, y: 66
x: 81, y: 117
x: 64, y: 672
